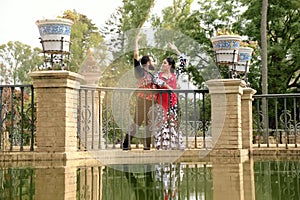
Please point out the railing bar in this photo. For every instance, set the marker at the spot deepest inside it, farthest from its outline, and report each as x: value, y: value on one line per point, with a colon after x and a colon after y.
x: 106, y: 120
x: 153, y: 122
x: 276, y: 122
x: 32, y: 119
x: 12, y: 118
x: 195, y: 118
x: 100, y: 109
x: 285, y: 124
x: 122, y: 114
x: 1, y: 120
x: 93, y: 117
x: 178, y: 121
x: 203, y: 119
x: 114, y: 122
x: 258, y: 122
x: 258, y: 96
x: 267, y: 121
x: 186, y: 118
x: 22, y: 119
x: 14, y: 86
x: 295, y: 120
x: 168, y: 115
x: 145, y: 123
x: 145, y: 90
x: 162, y: 110
x: 79, y: 119
x: 85, y: 118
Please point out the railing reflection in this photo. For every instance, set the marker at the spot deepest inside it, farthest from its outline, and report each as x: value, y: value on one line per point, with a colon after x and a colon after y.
x: 219, y: 179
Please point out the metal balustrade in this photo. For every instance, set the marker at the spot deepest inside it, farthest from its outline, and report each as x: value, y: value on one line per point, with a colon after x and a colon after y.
x: 105, y: 116
x: 17, y: 117
x: 276, y: 120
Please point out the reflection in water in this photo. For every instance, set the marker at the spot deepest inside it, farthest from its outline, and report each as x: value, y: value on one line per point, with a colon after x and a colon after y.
x: 17, y: 183
x: 265, y: 180
x: 142, y: 184
x: 170, y: 175
x: 277, y: 180
x: 159, y: 181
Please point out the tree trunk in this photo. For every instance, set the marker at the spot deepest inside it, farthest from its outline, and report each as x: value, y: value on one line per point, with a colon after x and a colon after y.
x: 264, y: 66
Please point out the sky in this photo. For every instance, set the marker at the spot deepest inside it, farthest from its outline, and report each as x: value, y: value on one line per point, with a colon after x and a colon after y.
x: 18, y: 17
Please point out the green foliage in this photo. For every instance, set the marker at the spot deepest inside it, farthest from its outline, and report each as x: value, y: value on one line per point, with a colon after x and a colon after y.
x: 16, y: 61
x: 241, y: 16
x: 84, y: 35
x: 283, y: 41
x: 244, y: 17
x: 122, y: 25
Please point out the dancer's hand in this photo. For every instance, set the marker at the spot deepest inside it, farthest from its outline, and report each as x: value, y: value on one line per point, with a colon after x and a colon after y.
x: 136, y: 46
x: 137, y: 38
x: 158, y: 81
x: 173, y: 47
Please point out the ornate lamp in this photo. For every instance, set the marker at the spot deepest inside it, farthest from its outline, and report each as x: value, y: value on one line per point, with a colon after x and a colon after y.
x: 229, y: 53
x: 55, y: 40
x: 241, y: 68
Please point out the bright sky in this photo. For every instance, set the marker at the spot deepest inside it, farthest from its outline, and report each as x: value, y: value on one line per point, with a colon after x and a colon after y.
x: 18, y: 17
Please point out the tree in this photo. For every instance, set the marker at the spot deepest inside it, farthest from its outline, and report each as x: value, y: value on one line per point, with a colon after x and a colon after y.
x: 16, y: 60
x: 197, y: 27
x: 283, y: 41
x: 84, y: 35
x: 264, y: 64
x: 120, y: 28
x: 264, y: 47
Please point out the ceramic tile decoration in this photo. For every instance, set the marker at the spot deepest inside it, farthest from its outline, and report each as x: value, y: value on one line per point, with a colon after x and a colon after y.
x: 55, y: 34
x: 226, y: 48
x: 243, y: 64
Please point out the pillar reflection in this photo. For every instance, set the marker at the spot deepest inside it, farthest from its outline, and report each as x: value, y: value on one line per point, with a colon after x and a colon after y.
x: 233, y: 179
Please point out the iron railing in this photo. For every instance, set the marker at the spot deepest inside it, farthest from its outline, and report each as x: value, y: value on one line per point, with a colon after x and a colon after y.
x: 17, y: 117
x: 276, y: 120
x: 105, y: 115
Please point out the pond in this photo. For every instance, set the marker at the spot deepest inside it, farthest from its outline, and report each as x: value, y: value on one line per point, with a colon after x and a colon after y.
x: 225, y: 179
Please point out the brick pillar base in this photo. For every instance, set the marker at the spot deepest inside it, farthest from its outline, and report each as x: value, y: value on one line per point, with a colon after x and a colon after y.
x: 247, y: 128
x: 226, y: 95
x: 57, y: 100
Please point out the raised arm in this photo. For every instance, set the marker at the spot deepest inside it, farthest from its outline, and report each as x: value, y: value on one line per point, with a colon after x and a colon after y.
x: 173, y: 47
x: 181, y: 57
x: 136, y: 47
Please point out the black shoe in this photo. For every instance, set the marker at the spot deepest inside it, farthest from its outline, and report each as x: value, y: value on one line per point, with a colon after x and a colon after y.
x: 147, y: 146
x: 126, y: 148
x: 125, y: 145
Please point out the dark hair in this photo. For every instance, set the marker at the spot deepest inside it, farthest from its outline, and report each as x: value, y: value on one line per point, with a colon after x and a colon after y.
x: 146, y: 59
x: 171, y: 62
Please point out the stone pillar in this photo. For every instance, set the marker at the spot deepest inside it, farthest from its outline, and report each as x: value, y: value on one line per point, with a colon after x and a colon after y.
x: 57, y: 104
x: 226, y: 116
x: 247, y: 120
